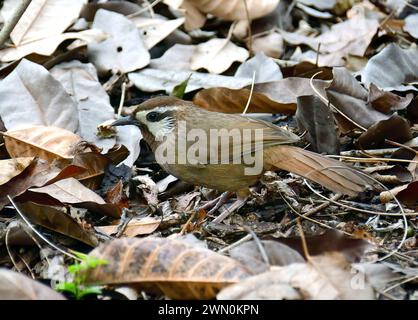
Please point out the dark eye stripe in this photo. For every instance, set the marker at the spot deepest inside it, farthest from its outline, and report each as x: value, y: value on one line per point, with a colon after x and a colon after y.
x: 155, y: 116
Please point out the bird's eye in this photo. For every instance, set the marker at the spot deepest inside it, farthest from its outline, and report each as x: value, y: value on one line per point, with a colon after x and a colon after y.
x: 152, y: 116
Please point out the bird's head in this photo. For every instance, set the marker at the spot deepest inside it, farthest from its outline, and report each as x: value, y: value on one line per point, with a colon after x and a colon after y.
x: 156, y: 117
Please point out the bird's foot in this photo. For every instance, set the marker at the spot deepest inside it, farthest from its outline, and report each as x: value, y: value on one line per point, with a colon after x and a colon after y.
x: 215, y: 204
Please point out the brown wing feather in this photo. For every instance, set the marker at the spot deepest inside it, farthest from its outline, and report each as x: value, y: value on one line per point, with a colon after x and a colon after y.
x: 329, y: 173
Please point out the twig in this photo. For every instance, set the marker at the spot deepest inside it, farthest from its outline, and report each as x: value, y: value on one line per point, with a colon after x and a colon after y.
x: 9, y: 25
x: 303, y: 240
x: 251, y: 94
x: 259, y: 245
x: 122, y: 99
x: 236, y: 244
x: 149, y: 7
x: 373, y: 152
x: 371, y: 159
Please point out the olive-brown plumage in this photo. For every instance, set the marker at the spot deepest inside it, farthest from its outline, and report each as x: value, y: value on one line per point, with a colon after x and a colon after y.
x: 158, y: 119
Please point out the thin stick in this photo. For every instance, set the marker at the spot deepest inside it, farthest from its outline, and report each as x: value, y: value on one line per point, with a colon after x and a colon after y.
x: 372, y: 159
x: 303, y: 240
x: 39, y: 234
x: 237, y: 243
x: 122, y: 99
x: 330, y: 104
x: 149, y: 7
x: 251, y: 94
x: 259, y: 245
x: 9, y: 25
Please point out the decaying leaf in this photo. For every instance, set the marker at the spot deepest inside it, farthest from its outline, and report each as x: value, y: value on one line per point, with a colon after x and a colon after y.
x: 35, y: 24
x: 73, y: 192
x: 16, y: 286
x: 393, y: 68
x: 135, y: 227
x: 318, y: 120
x: 235, y: 9
x: 42, y: 99
x: 37, y: 174
x: 38, y: 141
x: 10, y: 168
x: 327, y: 277
x: 217, y: 55
x: 124, y: 50
x: 56, y: 219
x: 172, y: 267
x: 411, y: 25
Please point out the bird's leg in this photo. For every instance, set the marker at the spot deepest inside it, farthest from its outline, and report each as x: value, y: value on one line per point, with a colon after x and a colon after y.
x: 216, y: 203
x: 231, y: 209
x: 242, y: 197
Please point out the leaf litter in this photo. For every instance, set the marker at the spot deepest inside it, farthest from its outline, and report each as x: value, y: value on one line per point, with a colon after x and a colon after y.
x: 340, y: 74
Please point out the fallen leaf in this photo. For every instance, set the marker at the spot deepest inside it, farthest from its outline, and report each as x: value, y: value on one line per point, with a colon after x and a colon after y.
x: 123, y: 51
x: 320, y: 4
x: 71, y: 191
x: 37, y: 174
x: 42, y: 99
x: 271, y: 44
x: 10, y: 168
x: 56, y: 219
x: 48, y: 46
x: 325, y: 277
x: 16, y: 286
x: 217, y: 55
x: 154, y: 30
x: 235, y: 9
x: 135, y: 227
x: 318, y: 120
x: 48, y: 143
x: 263, y: 68
x: 395, y: 128
x: 36, y: 22
x: 386, y: 101
x: 95, y: 165
x: 172, y: 267
x: 393, y: 68
x: 411, y: 25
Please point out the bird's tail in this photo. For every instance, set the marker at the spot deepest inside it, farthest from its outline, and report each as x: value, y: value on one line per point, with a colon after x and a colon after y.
x: 329, y: 173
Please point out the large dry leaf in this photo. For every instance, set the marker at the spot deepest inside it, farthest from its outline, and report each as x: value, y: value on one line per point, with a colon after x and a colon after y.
x: 73, y: 192
x: 124, y: 50
x: 37, y: 174
x: 82, y: 83
x: 42, y: 99
x: 135, y: 227
x: 386, y: 101
x: 263, y: 68
x: 348, y: 95
x: 172, y: 267
x: 45, y: 18
x: 95, y: 165
x: 326, y: 277
x: 319, y: 4
x: 411, y: 25
x: 16, y: 286
x: 317, y: 119
x: 151, y: 80
x: 217, y: 55
x: 47, y: 46
x: 58, y: 220
x: 10, y: 168
x: 38, y: 141
x: 352, y: 36
x: 393, y: 69
x: 235, y: 9
x: 155, y: 30
x: 276, y: 96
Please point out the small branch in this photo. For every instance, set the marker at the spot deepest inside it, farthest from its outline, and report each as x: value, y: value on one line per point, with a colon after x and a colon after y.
x: 9, y: 25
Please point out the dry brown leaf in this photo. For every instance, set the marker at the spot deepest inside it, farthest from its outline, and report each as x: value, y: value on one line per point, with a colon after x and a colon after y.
x: 95, y: 165
x: 56, y: 219
x: 10, y: 168
x: 16, y: 286
x: 327, y: 277
x: 171, y: 267
x: 135, y: 227
x: 275, y: 97
x: 37, y: 174
x: 235, y: 9
x: 48, y: 143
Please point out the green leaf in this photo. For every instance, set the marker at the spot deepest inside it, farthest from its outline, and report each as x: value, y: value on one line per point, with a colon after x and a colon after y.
x: 89, y: 290
x: 180, y: 89
x: 67, y: 287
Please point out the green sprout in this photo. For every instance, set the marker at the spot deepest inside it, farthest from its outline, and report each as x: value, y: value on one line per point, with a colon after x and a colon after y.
x: 78, y: 287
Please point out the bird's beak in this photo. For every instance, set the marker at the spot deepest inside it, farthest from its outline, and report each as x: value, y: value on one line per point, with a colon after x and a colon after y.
x: 124, y: 121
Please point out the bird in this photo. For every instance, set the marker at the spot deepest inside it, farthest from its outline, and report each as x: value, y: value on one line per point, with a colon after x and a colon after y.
x: 161, y: 118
